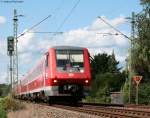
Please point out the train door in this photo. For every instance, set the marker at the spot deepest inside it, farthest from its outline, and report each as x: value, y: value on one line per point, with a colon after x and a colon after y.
x: 46, y: 69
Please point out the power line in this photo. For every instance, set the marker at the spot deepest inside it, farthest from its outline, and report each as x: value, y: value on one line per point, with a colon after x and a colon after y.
x: 58, y: 8
x: 34, y: 26
x: 56, y: 11
x: 47, y: 32
x: 69, y: 14
x: 71, y: 11
x: 113, y: 27
x: 66, y: 18
x: 108, y: 33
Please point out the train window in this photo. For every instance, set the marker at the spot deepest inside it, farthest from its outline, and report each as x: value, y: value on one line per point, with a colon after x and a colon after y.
x: 70, y: 61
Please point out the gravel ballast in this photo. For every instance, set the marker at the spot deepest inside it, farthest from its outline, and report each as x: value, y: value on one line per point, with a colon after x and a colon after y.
x: 41, y: 111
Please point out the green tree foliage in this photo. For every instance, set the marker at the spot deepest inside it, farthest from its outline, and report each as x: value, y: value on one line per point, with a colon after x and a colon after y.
x: 3, y: 113
x: 141, y: 48
x: 4, y: 90
x: 112, y: 64
x: 109, y: 82
x: 144, y: 93
x: 107, y: 77
x: 145, y: 2
x: 140, y: 56
x: 103, y: 63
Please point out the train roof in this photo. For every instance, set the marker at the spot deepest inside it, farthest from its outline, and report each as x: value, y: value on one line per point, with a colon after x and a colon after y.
x: 68, y: 47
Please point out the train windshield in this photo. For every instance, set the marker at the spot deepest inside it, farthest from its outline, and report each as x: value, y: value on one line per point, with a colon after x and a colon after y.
x: 70, y: 61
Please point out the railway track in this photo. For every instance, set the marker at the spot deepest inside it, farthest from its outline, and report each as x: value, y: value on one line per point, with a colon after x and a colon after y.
x: 106, y: 110
x: 111, y: 111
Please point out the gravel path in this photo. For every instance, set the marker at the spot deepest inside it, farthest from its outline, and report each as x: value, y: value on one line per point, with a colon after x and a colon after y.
x: 39, y: 111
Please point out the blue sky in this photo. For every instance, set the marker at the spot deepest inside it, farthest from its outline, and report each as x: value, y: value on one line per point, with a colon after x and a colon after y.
x: 76, y: 28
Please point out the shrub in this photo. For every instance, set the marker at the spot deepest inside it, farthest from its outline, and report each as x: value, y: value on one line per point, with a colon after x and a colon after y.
x: 144, y: 93
x: 10, y: 103
x: 2, y: 113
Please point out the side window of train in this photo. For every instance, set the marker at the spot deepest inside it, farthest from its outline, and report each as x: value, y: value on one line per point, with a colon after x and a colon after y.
x: 46, y: 61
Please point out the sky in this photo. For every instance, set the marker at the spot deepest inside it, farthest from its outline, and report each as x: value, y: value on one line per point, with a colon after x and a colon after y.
x: 77, y: 19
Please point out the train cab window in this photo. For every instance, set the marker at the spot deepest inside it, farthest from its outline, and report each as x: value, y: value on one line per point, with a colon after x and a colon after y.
x: 70, y: 61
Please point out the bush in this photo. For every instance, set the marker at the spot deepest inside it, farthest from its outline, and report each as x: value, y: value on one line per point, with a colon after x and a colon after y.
x: 144, y: 93
x: 103, y: 85
x: 2, y: 112
x: 10, y: 103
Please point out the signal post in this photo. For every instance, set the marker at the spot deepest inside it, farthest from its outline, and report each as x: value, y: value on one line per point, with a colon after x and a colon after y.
x: 10, y: 52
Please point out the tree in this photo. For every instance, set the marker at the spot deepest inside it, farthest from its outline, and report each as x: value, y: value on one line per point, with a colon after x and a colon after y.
x: 145, y: 2
x: 107, y: 77
x: 144, y: 93
x: 113, y: 64
x: 103, y: 63
x: 141, y: 48
x: 106, y: 83
x: 4, y: 89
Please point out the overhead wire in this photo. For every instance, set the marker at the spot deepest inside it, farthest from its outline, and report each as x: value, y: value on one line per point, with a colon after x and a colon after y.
x: 56, y: 11
x: 66, y: 18
x: 46, y: 32
x: 60, y: 26
x: 58, y: 8
x: 34, y: 26
x: 28, y: 31
x: 113, y: 27
x: 68, y: 15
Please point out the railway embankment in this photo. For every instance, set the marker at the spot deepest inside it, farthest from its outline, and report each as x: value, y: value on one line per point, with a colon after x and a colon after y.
x: 45, y: 111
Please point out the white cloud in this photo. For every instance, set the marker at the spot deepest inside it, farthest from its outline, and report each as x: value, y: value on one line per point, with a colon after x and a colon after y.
x: 3, y: 47
x: 98, y: 24
x: 31, y: 47
x: 4, y: 78
x: 25, y: 42
x: 2, y: 19
x: 118, y: 21
x: 26, y: 57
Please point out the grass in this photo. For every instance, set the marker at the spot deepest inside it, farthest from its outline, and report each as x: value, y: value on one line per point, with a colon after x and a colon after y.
x: 3, y: 113
x: 9, y: 104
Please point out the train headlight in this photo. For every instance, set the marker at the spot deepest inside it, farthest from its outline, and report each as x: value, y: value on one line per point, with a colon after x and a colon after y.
x: 86, y: 81
x: 55, y: 81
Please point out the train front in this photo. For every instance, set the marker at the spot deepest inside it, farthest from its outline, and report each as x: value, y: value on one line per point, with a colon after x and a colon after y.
x: 71, y: 75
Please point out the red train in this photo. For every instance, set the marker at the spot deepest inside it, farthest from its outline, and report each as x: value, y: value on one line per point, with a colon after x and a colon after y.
x: 63, y: 73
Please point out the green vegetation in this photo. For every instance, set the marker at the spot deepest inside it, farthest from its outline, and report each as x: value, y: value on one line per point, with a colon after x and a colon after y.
x: 141, y: 55
x: 9, y: 104
x: 2, y: 112
x: 141, y: 47
x: 107, y: 78
x: 144, y: 93
x: 4, y: 90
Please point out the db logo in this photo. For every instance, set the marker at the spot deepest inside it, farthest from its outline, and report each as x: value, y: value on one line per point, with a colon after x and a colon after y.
x: 70, y: 74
